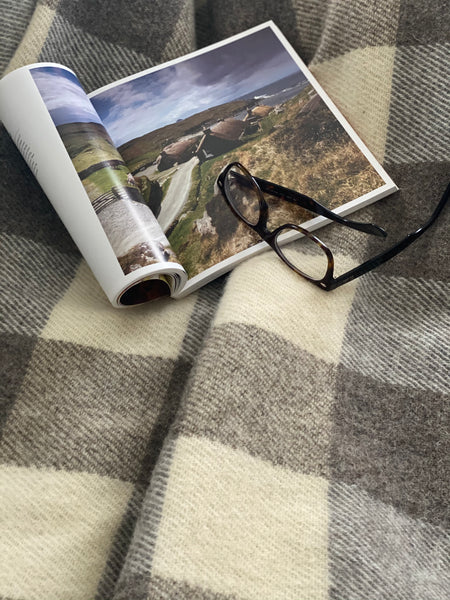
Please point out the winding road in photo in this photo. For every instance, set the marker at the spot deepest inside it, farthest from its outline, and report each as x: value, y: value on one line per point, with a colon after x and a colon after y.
x: 177, y: 194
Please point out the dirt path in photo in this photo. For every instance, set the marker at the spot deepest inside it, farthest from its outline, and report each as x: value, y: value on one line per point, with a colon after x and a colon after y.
x: 177, y: 194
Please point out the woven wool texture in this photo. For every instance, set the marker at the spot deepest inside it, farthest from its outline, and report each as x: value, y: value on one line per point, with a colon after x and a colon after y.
x: 259, y: 439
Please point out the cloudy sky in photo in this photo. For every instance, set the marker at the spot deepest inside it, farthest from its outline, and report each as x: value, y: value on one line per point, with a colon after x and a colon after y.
x: 63, y: 96
x: 175, y: 92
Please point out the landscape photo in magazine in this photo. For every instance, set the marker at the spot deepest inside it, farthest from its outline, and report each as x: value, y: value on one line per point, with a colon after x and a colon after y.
x: 248, y: 100
x: 131, y: 228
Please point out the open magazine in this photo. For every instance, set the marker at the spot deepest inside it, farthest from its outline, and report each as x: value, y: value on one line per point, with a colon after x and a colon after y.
x: 131, y: 167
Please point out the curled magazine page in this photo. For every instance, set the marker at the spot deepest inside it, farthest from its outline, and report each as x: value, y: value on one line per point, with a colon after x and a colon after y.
x: 106, y: 209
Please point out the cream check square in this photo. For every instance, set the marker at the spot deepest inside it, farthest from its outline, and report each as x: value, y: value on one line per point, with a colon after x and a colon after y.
x: 316, y: 319
x: 360, y: 83
x: 84, y: 316
x: 239, y: 525
x: 56, y: 529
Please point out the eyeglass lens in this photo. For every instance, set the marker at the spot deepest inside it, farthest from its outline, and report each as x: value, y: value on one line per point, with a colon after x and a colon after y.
x: 243, y: 194
x: 305, y: 256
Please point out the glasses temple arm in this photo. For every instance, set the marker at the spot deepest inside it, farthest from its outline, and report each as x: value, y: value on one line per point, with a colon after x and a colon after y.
x: 377, y: 260
x: 390, y: 252
x: 314, y: 206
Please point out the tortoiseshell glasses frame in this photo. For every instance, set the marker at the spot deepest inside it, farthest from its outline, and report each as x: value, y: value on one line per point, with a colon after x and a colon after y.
x: 237, y: 173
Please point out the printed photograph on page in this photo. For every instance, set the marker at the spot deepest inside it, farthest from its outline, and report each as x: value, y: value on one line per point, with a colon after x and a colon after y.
x: 123, y: 202
x: 249, y: 101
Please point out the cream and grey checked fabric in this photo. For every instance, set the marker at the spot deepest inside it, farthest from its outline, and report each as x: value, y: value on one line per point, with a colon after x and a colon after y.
x: 260, y: 439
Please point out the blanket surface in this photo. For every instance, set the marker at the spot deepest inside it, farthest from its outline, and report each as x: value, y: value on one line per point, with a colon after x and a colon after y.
x: 260, y: 439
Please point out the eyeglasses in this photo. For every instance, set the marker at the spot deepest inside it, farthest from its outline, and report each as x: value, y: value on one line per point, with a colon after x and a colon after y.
x: 315, y: 262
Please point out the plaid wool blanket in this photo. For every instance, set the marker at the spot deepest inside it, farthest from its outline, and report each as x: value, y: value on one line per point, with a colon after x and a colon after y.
x: 260, y: 439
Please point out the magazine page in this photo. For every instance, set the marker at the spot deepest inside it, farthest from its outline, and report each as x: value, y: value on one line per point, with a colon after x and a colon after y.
x: 248, y: 99
x: 105, y: 208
